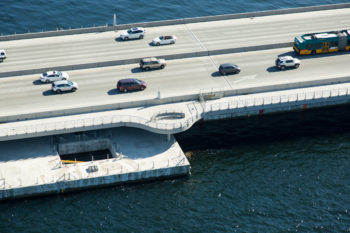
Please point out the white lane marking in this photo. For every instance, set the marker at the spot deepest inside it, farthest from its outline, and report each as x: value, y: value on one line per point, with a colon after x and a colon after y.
x: 211, y: 59
x: 198, y: 40
x: 244, y: 78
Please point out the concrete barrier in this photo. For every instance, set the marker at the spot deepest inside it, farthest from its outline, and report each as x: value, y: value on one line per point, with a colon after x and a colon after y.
x: 173, y: 22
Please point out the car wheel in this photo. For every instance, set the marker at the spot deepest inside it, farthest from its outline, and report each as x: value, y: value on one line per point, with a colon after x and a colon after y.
x: 64, y: 78
x: 313, y: 52
x: 58, y: 91
x: 142, y: 88
x: 283, y: 67
x: 47, y: 81
x: 1, y: 59
x: 147, y: 68
x: 172, y: 42
x: 237, y: 71
x: 74, y: 89
x: 126, y: 38
x: 125, y: 90
x: 296, y: 65
x: 141, y: 37
x: 223, y: 73
x: 157, y: 43
x: 162, y: 66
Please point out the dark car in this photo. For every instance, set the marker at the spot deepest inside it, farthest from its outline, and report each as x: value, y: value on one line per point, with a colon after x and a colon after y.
x: 229, y: 68
x: 131, y: 84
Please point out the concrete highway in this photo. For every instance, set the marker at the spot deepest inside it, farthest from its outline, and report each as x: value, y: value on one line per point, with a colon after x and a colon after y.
x: 25, y: 94
x: 99, y: 47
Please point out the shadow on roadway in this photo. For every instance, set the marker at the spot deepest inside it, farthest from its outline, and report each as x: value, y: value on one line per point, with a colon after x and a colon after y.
x: 38, y: 82
x: 153, y: 45
x: 216, y: 74
x: 118, y: 39
x: 51, y: 92
x: 272, y: 69
x: 137, y: 70
x: 114, y: 91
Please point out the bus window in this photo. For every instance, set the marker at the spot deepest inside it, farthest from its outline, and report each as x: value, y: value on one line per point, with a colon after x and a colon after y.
x: 334, y: 44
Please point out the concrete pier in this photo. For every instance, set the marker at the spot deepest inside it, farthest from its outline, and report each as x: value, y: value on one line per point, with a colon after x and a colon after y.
x: 31, y: 167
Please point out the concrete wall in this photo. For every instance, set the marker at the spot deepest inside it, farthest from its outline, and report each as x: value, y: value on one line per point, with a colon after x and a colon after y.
x: 84, y: 146
x: 72, y: 185
x: 173, y: 22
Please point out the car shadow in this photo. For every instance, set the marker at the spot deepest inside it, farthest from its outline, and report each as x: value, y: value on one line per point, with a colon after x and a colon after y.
x: 38, y: 82
x: 272, y: 69
x: 216, y: 74
x: 49, y: 92
x: 119, y: 39
x: 137, y: 70
x: 114, y: 91
x: 153, y: 45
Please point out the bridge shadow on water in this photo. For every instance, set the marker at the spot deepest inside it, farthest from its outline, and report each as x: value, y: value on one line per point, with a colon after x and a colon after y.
x: 227, y: 134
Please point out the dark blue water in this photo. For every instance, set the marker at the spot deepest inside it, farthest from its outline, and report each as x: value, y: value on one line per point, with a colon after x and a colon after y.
x: 37, y: 15
x: 278, y: 173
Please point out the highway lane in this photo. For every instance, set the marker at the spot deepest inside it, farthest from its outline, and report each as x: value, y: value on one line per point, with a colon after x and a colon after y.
x: 24, y: 94
x: 195, y: 37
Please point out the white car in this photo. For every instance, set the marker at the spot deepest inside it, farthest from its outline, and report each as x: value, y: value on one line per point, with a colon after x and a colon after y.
x: 51, y: 76
x: 287, y: 62
x: 2, y: 55
x: 164, y: 40
x: 133, y: 33
x: 64, y: 85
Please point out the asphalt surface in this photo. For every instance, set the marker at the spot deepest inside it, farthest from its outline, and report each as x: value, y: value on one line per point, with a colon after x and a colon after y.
x: 23, y: 94
x: 101, y: 47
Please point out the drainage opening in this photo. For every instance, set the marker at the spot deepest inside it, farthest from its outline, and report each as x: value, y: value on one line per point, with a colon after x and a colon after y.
x: 86, y: 156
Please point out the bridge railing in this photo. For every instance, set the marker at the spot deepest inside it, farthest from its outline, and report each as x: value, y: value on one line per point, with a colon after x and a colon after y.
x: 173, y: 126
x: 293, y: 98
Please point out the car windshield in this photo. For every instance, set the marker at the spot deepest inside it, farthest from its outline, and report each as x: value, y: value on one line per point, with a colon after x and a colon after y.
x: 138, y: 81
x: 129, y: 31
x: 70, y: 83
x: 59, y: 73
x: 45, y: 74
x: 161, y: 37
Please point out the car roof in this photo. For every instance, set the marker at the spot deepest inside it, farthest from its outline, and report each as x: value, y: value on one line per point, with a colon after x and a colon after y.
x: 61, y: 82
x: 147, y: 59
x: 228, y: 65
x: 286, y: 58
x: 51, y: 72
x: 137, y: 28
x: 125, y: 80
x: 2, y: 50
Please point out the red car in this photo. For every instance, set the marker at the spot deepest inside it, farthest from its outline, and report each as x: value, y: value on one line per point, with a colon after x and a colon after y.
x: 131, y: 84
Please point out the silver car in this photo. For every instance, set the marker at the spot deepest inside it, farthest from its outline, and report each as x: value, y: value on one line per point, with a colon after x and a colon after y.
x: 133, y: 33
x: 64, y: 85
x: 152, y: 62
x: 51, y: 76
